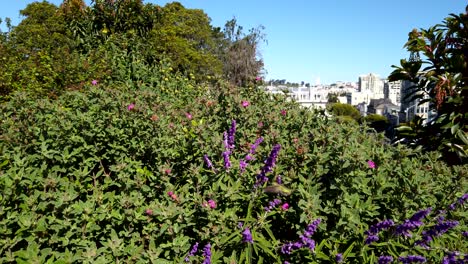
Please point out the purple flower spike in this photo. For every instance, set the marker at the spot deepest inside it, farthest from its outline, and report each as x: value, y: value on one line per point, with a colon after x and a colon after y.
x: 414, y: 222
x: 231, y: 135
x: 227, y: 162
x: 254, y: 146
x: 385, y: 259
x: 269, y: 164
x: 312, y: 228
x: 371, y: 239
x: 207, y: 254
x: 208, y: 161
x: 412, y: 259
x: 192, y: 252
x: 242, y: 165
x: 339, y: 258
x: 247, y: 236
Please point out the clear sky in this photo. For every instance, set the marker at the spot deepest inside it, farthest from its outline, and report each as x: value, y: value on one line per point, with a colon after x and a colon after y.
x: 311, y: 40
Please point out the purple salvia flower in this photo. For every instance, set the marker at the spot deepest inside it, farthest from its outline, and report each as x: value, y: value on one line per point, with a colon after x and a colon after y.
x: 310, y: 230
x: 454, y: 258
x: 287, y: 248
x: 385, y: 259
x: 403, y: 229
x: 248, y: 157
x: 231, y: 135
x: 247, y: 236
x: 414, y: 222
x: 208, y: 161
x: 278, y: 179
x: 225, y: 140
x: 271, y: 161
x: 412, y: 259
x: 310, y: 243
x: 465, y: 233
x: 254, y: 147
x: 418, y: 216
x: 436, y: 231
x: 227, y: 162
x: 207, y: 254
x: 372, y: 233
x: 383, y: 225
x: 371, y: 239
x: 242, y: 165
x: 269, y: 164
x: 463, y: 199
x: 459, y: 201
x: 304, y: 241
x: 192, y: 252
x: 272, y: 205
x: 339, y: 258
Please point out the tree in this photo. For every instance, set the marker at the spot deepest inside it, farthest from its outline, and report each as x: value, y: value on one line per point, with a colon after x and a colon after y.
x: 444, y: 81
x: 186, y: 37
x: 241, y: 57
x: 339, y: 109
x: 378, y: 122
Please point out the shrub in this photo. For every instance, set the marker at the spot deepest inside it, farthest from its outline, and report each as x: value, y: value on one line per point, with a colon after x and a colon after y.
x: 111, y: 176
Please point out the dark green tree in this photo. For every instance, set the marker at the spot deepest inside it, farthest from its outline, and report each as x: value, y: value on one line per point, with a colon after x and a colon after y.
x: 186, y: 37
x: 441, y: 79
x: 344, y: 110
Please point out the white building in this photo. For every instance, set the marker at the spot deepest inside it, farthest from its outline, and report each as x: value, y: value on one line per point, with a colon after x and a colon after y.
x: 373, y: 84
x: 393, y: 91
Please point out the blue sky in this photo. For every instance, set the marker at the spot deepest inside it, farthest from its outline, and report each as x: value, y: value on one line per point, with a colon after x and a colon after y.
x: 311, y: 40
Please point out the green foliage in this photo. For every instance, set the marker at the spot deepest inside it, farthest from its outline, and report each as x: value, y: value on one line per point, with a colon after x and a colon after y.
x: 112, y: 167
x: 186, y: 37
x: 344, y: 110
x: 443, y: 82
x: 378, y: 122
x: 86, y: 178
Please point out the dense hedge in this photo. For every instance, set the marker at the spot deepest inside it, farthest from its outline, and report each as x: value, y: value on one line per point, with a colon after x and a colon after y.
x: 107, y: 176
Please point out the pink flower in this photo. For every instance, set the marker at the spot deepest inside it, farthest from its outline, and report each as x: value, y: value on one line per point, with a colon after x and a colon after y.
x: 172, y: 195
x: 285, y: 206
x: 258, y: 78
x: 131, y: 106
x: 245, y: 103
x: 149, y: 212
x: 212, y: 204
x: 371, y: 164
x: 167, y: 171
x: 283, y: 112
x: 188, y: 115
x: 94, y: 82
x: 260, y: 124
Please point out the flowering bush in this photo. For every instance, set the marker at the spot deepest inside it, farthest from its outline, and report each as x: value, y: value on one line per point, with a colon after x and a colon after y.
x: 84, y: 179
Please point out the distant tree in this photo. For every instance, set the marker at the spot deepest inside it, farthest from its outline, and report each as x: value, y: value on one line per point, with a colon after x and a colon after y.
x: 339, y: 109
x: 379, y: 122
x: 241, y: 58
x: 332, y: 98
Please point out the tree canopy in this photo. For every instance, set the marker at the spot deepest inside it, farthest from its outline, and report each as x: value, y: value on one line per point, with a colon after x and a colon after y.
x: 442, y: 80
x: 75, y: 38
